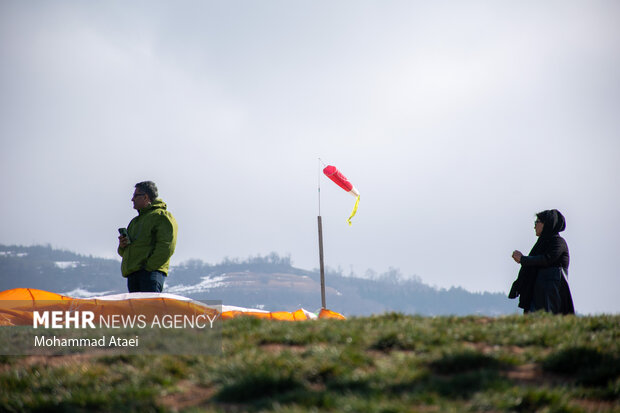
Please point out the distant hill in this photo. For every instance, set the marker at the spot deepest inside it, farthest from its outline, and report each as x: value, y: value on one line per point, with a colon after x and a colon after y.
x: 269, y: 282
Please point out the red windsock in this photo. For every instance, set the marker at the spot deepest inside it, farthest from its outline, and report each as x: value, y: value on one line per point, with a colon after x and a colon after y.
x: 339, y: 179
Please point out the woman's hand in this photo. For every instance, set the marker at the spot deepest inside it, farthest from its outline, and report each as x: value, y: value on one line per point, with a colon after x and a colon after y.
x: 516, y: 255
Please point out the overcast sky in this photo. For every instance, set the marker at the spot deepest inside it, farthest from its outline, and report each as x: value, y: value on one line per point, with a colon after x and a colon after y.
x: 456, y: 120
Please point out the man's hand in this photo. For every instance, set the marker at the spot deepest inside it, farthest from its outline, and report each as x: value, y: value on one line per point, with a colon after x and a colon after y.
x: 123, y: 241
x: 516, y: 255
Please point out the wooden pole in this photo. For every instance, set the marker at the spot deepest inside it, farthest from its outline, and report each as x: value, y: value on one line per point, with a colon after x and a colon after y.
x: 321, y: 259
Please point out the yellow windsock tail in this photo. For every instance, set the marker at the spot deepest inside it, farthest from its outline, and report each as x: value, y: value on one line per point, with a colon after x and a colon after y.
x: 357, y: 203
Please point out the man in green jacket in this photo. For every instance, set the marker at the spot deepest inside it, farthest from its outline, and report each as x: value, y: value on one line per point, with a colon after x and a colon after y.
x: 149, y: 243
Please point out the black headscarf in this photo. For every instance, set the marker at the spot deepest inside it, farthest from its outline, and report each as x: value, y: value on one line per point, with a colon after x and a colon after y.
x: 553, y: 223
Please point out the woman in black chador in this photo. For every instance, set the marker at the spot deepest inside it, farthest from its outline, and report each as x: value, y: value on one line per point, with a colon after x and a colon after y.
x: 542, y: 282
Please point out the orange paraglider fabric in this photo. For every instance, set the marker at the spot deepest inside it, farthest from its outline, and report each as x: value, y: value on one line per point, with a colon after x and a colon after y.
x: 325, y: 313
x: 17, y: 306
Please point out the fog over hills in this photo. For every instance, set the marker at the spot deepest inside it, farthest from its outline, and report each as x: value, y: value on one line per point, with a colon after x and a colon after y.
x: 266, y: 282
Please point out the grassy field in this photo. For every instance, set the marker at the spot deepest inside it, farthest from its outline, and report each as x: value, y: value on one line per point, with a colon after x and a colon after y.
x: 387, y: 363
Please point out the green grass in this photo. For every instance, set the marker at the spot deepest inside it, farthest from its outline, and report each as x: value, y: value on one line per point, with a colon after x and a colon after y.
x: 387, y: 363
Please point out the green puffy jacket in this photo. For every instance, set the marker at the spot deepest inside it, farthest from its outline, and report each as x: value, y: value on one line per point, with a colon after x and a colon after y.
x: 153, y: 236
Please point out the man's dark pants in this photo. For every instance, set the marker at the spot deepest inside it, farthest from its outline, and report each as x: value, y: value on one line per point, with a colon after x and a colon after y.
x: 146, y: 281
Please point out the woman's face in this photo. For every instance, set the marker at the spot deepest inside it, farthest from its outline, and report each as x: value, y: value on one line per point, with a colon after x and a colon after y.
x: 538, y: 227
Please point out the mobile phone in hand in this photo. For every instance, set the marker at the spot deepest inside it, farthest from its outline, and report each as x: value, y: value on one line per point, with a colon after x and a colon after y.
x: 123, y: 232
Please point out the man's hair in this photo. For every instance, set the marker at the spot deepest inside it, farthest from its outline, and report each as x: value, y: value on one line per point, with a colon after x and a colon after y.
x: 149, y: 188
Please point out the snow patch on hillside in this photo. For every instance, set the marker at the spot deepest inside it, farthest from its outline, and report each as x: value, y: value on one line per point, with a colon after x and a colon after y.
x: 82, y: 293
x: 13, y: 254
x: 205, y: 285
x: 63, y: 265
